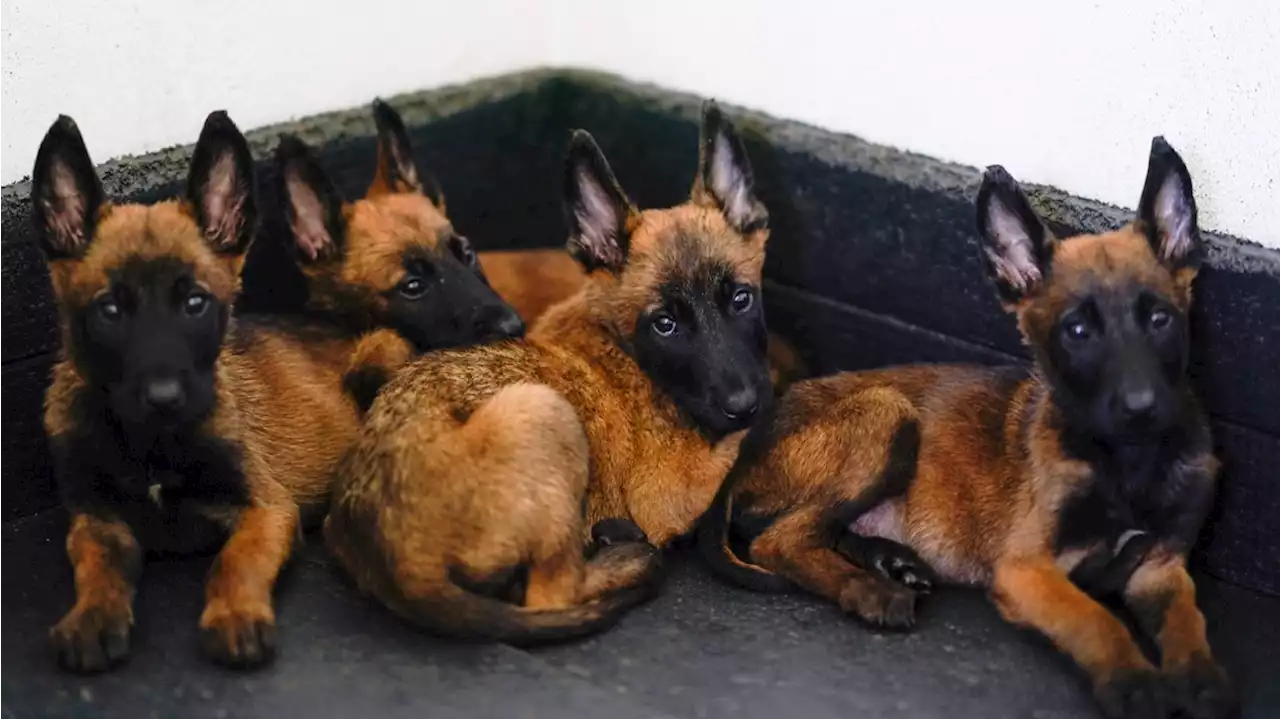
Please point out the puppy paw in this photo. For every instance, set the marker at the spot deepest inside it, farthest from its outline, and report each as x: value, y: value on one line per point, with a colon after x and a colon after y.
x: 1201, y: 690
x: 892, y: 560
x: 93, y: 637
x: 880, y: 603
x: 608, y: 532
x: 241, y: 635
x: 1133, y: 694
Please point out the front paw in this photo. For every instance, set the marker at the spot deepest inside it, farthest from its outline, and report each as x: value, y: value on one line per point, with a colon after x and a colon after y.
x: 238, y: 635
x: 1201, y: 690
x: 1133, y: 694
x: 93, y: 637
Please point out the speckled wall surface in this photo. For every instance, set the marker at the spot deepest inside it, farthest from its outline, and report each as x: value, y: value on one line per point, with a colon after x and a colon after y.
x: 872, y: 260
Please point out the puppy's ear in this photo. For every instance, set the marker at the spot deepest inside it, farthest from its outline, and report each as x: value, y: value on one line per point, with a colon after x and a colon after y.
x: 312, y: 206
x: 1167, y: 210
x: 1016, y: 246
x: 220, y: 186
x: 66, y: 193
x: 397, y: 171
x: 596, y: 209
x: 725, y: 178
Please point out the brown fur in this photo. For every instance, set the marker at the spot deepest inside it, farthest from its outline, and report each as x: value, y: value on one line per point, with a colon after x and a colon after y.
x: 532, y: 281
x: 473, y: 463
x: 390, y: 260
x: 280, y: 421
x: 991, y: 482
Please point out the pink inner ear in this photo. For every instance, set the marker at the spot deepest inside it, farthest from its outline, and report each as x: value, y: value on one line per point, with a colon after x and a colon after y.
x: 1173, y: 216
x: 223, y: 205
x: 66, y: 212
x: 308, y: 219
x: 404, y: 166
x: 1012, y: 259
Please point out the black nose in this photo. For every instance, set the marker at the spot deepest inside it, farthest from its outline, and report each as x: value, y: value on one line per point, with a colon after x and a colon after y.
x: 164, y: 394
x: 741, y: 404
x: 1138, y: 404
x: 498, y: 323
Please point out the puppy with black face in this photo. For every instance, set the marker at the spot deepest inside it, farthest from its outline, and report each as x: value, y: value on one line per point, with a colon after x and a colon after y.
x: 628, y: 399
x: 1090, y: 472
x: 175, y: 427
x: 391, y: 259
x: 681, y: 286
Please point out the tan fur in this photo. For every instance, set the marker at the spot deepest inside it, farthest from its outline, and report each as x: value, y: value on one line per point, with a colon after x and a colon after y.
x: 990, y: 479
x: 475, y: 461
x: 380, y: 228
x: 532, y: 281
x: 279, y: 400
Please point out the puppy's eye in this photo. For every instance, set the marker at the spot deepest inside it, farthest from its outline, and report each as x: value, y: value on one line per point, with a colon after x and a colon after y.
x: 1159, y: 319
x: 1077, y: 330
x: 109, y: 310
x: 412, y: 288
x: 195, y: 304
x: 664, y: 325
x: 743, y: 299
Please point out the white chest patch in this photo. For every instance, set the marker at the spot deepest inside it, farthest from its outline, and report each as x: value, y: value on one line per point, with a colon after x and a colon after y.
x: 156, y: 493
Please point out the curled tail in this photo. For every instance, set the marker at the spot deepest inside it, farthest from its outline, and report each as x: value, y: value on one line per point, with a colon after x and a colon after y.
x: 714, y: 527
x: 459, y: 614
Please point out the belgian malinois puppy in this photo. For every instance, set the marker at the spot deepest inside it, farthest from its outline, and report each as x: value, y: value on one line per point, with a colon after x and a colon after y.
x: 175, y: 427
x: 462, y: 505
x: 390, y: 260
x: 1012, y: 478
x: 533, y: 281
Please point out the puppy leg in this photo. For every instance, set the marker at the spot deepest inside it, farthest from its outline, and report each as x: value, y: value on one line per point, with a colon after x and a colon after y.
x: 1032, y: 592
x: 1163, y: 600
x: 238, y: 623
x: 107, y: 562
x: 792, y: 547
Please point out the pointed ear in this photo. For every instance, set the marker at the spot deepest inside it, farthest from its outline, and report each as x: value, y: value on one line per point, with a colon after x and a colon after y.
x: 725, y: 178
x: 1016, y: 246
x: 1167, y: 210
x: 220, y: 186
x: 397, y: 171
x: 596, y: 209
x: 66, y: 193
x: 312, y: 206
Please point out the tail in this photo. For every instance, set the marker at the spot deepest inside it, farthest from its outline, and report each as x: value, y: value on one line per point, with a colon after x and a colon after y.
x: 713, y: 529
x: 458, y: 614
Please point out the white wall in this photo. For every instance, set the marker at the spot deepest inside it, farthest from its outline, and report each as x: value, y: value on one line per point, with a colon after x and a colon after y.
x: 141, y: 75
x: 1068, y: 95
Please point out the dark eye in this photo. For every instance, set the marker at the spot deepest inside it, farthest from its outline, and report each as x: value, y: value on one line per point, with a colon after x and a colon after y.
x: 742, y: 300
x: 109, y: 310
x: 195, y: 304
x: 412, y: 288
x: 664, y: 325
x: 462, y: 250
x: 1159, y: 319
x: 1077, y: 330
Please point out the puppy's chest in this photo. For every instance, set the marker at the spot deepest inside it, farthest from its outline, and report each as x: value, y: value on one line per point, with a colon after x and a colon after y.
x: 180, y: 497
x: 1115, y: 506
